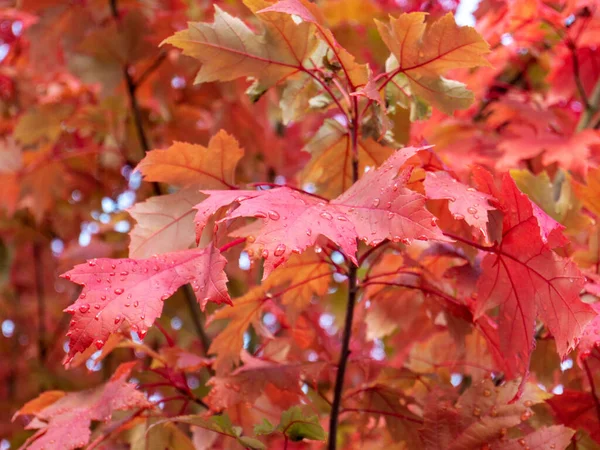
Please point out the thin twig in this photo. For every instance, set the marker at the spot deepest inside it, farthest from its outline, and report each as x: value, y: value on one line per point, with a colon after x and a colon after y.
x: 589, y: 112
x: 151, y: 68
x: 590, y: 377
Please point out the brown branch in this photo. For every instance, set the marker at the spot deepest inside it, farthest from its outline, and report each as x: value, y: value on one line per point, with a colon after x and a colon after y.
x: 145, y: 145
x: 151, y: 68
x: 352, y: 291
x: 590, y: 377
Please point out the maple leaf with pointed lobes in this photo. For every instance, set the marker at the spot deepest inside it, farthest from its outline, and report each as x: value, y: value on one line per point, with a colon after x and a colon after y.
x: 229, y: 49
x: 525, y: 278
x: 426, y: 51
x: 589, y: 193
x: 482, y: 415
x: 555, y: 437
x: 116, y: 291
x: 288, y: 222
x: 577, y: 409
x: 464, y: 202
x: 247, y: 383
x: 246, y: 311
x: 65, y: 424
x: 380, y: 205
x: 184, y: 164
x: 307, y: 275
x: 377, y: 207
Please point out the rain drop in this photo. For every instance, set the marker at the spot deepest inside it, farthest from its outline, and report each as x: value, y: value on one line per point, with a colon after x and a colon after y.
x: 265, y: 253
x: 92, y: 262
x: 326, y: 215
x: 103, y: 297
x: 82, y: 296
x: 164, y: 297
x: 124, y: 273
x: 142, y: 317
x: 422, y: 237
x: 342, y: 218
x: 308, y: 232
x: 84, y: 308
x: 136, y: 304
x: 251, y: 239
x: 458, y: 216
x: 118, y: 291
x: 375, y: 203
x: 273, y: 215
x: 280, y: 250
x: 472, y: 210
x: 117, y: 319
x: 99, y: 343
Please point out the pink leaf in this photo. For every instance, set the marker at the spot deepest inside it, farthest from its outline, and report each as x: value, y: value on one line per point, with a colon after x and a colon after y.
x: 133, y: 291
x: 464, y: 202
x: 381, y: 206
x: 65, y: 424
x: 377, y: 207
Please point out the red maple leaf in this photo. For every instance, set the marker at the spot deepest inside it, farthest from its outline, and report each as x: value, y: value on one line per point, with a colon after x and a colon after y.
x: 65, y: 424
x: 525, y: 278
x: 377, y: 207
x: 464, y: 202
x: 577, y: 410
x: 116, y: 291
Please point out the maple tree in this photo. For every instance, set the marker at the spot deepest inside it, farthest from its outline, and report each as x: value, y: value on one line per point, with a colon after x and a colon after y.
x: 292, y: 224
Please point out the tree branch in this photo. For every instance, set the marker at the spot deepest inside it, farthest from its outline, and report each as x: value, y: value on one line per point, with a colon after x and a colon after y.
x: 590, y: 377
x: 131, y: 87
x: 352, y: 291
x: 591, y: 108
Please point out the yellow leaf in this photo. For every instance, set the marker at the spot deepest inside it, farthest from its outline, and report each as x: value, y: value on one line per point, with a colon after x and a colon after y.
x: 228, y: 344
x: 305, y: 275
x: 556, y: 197
x: 590, y: 194
x: 425, y: 52
x: 42, y: 123
x: 229, y: 49
x: 185, y: 164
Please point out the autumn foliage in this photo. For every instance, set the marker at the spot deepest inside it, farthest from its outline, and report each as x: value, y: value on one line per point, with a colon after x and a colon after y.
x: 262, y: 224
